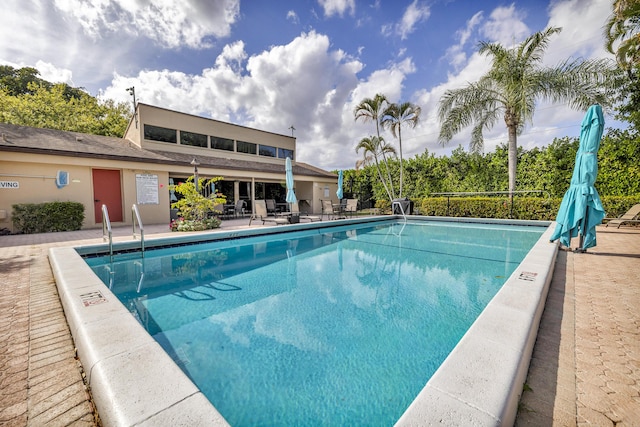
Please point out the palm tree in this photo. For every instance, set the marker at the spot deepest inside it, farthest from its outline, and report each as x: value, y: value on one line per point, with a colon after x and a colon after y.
x: 370, y: 110
x: 511, y: 88
x: 394, y: 116
x: 623, y: 26
x: 375, y: 147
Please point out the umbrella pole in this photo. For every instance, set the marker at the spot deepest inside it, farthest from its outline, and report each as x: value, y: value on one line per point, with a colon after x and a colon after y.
x: 580, y: 249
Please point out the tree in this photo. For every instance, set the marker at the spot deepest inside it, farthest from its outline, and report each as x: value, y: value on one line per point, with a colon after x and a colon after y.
x: 371, y: 110
x: 17, y: 81
x: 513, y: 85
x: 394, y: 116
x: 375, y: 146
x: 623, y: 28
x: 56, y: 107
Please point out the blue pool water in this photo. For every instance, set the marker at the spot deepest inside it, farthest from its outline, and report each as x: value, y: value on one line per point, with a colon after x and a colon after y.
x: 337, y: 326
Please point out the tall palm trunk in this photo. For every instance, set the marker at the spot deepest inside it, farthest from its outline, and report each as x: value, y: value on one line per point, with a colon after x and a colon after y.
x: 392, y: 191
x: 401, y: 162
x: 381, y: 178
x: 513, y: 159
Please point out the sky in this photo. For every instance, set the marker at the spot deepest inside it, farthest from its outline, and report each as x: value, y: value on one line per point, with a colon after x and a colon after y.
x: 299, y: 66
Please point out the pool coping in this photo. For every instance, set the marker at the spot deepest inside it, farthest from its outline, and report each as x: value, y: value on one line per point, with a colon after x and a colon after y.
x: 479, y: 383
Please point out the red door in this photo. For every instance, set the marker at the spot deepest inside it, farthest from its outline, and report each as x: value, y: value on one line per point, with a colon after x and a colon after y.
x: 107, y: 191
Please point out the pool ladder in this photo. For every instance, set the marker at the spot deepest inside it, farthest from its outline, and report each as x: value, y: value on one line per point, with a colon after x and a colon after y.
x: 106, y: 229
x: 107, y: 233
x: 135, y: 216
x: 398, y: 204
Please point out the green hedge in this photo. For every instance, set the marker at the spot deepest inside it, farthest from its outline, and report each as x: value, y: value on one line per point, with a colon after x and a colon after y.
x: 47, y: 217
x: 531, y: 208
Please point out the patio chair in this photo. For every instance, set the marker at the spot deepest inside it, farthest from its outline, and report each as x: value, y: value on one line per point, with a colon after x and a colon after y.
x: 239, y: 208
x: 271, y: 206
x: 295, y: 210
x: 260, y: 213
x: 329, y: 209
x: 217, y: 211
x: 351, y: 206
x: 229, y: 211
x: 629, y: 217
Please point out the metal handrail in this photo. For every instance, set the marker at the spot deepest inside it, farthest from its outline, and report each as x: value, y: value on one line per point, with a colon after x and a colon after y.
x: 106, y: 229
x: 475, y: 193
x: 401, y: 209
x: 448, y: 195
x: 135, y: 216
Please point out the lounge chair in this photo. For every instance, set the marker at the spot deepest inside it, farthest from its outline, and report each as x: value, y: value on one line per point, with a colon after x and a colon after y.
x: 295, y: 210
x: 630, y: 217
x: 260, y: 213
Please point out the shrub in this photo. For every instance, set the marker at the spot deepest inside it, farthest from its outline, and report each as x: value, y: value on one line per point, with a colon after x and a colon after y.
x: 531, y: 208
x: 194, y: 209
x: 47, y: 217
x: 182, y: 224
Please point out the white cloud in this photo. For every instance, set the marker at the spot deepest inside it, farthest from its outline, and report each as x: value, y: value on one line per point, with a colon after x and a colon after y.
x: 386, y: 30
x: 456, y: 54
x: 171, y: 23
x: 51, y: 73
x: 337, y: 7
x: 293, y: 17
x: 584, y: 40
x: 414, y: 14
x: 93, y: 37
x: 505, y: 26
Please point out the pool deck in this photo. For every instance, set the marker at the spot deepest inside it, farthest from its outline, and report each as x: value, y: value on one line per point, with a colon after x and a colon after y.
x: 585, y: 368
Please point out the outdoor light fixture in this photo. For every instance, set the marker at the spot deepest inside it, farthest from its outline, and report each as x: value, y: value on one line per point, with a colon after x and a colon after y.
x: 195, y: 164
x: 132, y: 92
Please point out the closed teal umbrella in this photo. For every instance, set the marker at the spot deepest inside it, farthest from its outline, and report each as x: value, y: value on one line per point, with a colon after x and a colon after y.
x: 581, y: 209
x: 340, y: 179
x: 291, y: 195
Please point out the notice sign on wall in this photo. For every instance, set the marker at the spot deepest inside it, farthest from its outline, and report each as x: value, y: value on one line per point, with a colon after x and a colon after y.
x: 147, y: 189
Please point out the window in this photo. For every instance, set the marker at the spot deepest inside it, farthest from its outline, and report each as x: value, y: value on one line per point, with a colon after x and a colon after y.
x: 267, y: 151
x: 247, y: 147
x: 283, y: 153
x: 221, y: 143
x: 195, y: 139
x: 156, y: 133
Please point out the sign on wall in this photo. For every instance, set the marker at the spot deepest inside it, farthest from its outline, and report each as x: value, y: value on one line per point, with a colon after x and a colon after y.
x: 147, y: 189
x: 9, y: 184
x: 62, y: 179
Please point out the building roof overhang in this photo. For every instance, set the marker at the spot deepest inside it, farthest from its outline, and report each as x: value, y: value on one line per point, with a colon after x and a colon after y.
x: 25, y: 139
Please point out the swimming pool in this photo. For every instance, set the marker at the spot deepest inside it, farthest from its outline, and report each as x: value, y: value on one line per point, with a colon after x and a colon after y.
x: 298, y: 264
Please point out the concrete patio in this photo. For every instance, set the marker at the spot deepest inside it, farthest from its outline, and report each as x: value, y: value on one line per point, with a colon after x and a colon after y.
x: 585, y: 368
